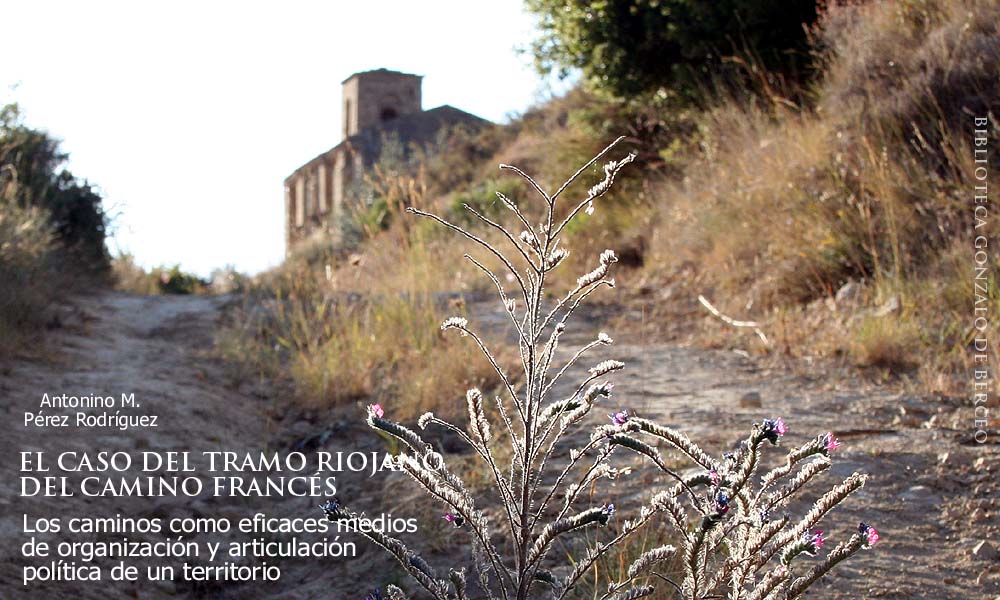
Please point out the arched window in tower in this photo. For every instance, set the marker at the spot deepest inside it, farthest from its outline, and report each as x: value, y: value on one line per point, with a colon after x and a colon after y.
x: 388, y: 113
x: 347, y: 118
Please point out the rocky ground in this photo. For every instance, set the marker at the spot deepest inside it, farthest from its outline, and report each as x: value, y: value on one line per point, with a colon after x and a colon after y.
x: 933, y: 492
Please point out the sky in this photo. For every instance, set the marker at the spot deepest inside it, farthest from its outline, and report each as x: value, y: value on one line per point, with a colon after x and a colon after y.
x: 189, y: 115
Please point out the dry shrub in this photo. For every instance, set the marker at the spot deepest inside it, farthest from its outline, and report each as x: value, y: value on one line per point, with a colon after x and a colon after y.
x: 129, y: 276
x: 873, y: 184
x: 727, y: 542
x: 28, y: 273
x: 389, y: 350
x: 916, y: 68
x: 885, y: 343
x: 340, y: 348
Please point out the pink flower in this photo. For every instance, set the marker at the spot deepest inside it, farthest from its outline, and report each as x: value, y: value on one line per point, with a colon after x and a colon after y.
x: 832, y: 443
x: 871, y: 534
x: 620, y: 417
x: 456, y: 520
x: 714, y: 476
x: 816, y: 539
x: 779, y: 426
x: 376, y: 409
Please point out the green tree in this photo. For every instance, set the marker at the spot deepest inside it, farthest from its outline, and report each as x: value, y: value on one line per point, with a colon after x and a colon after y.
x: 32, y: 175
x: 632, y: 47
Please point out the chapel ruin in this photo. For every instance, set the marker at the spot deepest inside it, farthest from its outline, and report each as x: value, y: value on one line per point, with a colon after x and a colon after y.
x: 376, y: 104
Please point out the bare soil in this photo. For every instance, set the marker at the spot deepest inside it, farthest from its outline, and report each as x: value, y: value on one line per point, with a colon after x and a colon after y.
x: 933, y: 492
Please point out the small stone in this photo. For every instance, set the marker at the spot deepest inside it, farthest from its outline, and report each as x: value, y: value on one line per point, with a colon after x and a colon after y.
x: 849, y: 293
x: 985, y: 551
x: 751, y: 400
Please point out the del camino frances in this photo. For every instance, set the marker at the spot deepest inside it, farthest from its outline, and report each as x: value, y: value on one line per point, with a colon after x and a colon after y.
x: 97, y: 411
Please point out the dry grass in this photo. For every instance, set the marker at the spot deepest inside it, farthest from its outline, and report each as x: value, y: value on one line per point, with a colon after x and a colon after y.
x: 338, y: 349
x: 885, y: 343
x: 364, y: 327
x: 872, y: 185
x: 28, y: 272
x: 128, y: 276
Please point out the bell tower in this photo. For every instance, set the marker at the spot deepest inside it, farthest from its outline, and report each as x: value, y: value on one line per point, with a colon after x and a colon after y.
x: 372, y: 98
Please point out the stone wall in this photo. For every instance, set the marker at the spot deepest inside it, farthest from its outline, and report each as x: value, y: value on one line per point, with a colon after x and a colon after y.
x: 316, y: 196
x: 376, y: 97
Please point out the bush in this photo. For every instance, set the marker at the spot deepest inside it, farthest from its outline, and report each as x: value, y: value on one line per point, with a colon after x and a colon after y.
x: 634, y: 47
x: 548, y: 470
x: 916, y: 69
x: 783, y: 207
x: 28, y: 273
x: 31, y: 175
x: 130, y: 277
x: 175, y: 281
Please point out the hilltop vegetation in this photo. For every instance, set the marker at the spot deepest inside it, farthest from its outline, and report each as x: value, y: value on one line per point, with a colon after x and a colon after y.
x: 52, y: 229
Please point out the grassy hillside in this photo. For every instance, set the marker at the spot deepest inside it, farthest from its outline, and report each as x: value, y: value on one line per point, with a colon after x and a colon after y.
x: 766, y: 198
x: 871, y: 182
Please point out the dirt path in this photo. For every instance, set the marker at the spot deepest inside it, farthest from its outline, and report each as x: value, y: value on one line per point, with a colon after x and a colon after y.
x: 933, y: 494
x: 158, y: 349
x: 933, y: 490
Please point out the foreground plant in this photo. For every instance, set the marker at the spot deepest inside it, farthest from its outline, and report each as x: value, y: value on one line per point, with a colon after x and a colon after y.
x: 728, y: 543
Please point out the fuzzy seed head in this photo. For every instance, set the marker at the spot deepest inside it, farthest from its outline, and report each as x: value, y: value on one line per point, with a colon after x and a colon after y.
x: 459, y: 323
x: 603, y: 368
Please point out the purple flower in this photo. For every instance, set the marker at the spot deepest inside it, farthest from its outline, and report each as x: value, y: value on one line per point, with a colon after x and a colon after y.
x: 721, y: 503
x: 331, y: 508
x: 620, y: 417
x: 830, y: 442
x: 607, y: 511
x: 375, y: 594
x: 772, y: 429
x: 713, y: 475
x: 377, y: 410
x: 456, y: 520
x: 871, y: 534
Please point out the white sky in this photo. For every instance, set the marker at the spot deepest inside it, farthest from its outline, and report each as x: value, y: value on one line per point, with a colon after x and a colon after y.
x: 189, y: 115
